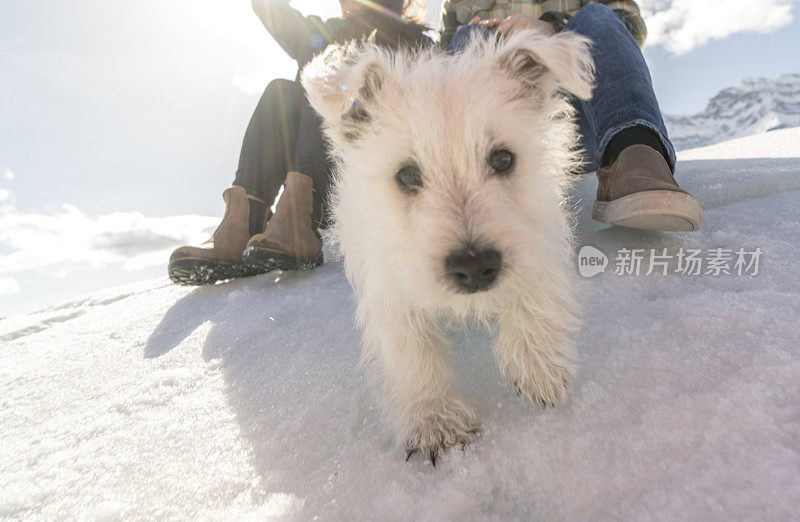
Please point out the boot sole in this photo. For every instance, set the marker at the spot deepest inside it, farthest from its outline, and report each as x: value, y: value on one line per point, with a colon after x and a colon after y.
x: 652, y: 210
x: 270, y: 260
x: 199, y: 272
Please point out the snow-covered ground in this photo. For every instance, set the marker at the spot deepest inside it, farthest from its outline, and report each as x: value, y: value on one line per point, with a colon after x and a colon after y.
x: 242, y: 400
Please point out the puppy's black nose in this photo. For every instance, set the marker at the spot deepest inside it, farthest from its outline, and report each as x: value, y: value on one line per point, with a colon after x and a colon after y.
x: 473, y: 271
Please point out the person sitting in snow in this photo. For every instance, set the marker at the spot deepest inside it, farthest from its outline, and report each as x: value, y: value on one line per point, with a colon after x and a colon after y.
x: 622, y: 130
x: 283, y: 145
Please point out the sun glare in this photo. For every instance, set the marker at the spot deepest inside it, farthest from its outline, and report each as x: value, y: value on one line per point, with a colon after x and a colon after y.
x: 322, y: 8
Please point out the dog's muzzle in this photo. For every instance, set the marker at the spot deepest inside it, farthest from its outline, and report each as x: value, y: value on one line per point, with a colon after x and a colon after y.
x: 473, y: 271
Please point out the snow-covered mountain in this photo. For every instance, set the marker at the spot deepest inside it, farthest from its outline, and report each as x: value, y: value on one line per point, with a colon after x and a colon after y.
x: 756, y: 105
x: 242, y: 401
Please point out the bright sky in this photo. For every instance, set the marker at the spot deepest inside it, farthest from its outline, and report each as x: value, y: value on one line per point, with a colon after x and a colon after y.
x: 121, y: 121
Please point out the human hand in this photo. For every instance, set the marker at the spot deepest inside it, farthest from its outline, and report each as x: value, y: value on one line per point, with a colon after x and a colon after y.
x: 518, y: 22
x: 489, y: 23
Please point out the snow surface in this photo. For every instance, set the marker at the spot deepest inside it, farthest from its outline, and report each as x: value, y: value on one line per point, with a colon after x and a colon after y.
x: 242, y: 400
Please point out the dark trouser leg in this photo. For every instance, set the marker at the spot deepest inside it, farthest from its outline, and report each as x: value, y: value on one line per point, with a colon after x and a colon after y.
x: 269, y: 145
x: 623, y: 97
x: 311, y: 158
x: 291, y: 240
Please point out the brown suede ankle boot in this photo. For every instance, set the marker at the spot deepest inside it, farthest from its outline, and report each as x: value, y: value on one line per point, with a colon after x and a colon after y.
x: 220, y: 257
x: 638, y: 191
x: 291, y: 240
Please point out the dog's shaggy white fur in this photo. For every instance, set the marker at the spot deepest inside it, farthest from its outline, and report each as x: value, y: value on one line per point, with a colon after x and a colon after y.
x: 445, y: 115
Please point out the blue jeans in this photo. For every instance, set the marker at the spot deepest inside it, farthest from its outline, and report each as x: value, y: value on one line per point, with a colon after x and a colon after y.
x: 623, y: 96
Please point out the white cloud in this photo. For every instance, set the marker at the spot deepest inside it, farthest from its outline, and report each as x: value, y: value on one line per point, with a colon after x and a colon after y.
x: 8, y: 175
x: 36, y: 241
x: 682, y: 25
x: 5, y: 195
x: 8, y: 286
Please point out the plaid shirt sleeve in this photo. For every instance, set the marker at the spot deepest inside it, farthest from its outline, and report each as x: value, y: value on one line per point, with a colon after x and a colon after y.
x: 627, y: 10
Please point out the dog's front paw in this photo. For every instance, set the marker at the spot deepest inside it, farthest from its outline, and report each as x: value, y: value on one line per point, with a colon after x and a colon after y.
x: 439, y: 432
x: 543, y: 381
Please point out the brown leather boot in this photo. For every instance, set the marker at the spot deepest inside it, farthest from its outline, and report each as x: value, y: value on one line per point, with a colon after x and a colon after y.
x: 291, y: 240
x: 220, y: 257
x: 638, y: 191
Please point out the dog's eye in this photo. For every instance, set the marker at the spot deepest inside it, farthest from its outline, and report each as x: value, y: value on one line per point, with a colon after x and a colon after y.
x: 409, y: 178
x: 501, y: 160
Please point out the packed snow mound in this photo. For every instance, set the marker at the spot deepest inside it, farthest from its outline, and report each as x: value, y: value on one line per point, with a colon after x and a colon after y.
x: 756, y: 105
x: 777, y: 144
x: 243, y: 400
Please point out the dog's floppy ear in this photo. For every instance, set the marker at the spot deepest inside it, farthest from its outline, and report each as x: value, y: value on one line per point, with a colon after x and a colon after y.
x: 528, y: 55
x: 342, y: 83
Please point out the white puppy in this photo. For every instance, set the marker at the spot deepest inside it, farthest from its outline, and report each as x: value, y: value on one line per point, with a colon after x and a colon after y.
x: 449, y: 202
